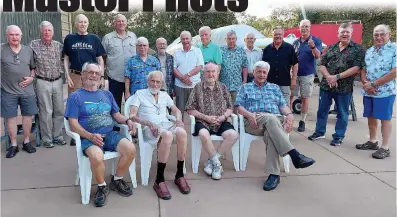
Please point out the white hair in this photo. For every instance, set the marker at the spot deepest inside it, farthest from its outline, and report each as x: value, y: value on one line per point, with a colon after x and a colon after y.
x: 46, y: 23
x: 383, y: 27
x: 210, y: 64
x: 87, y: 64
x: 119, y: 16
x: 262, y: 64
x: 250, y: 33
x: 161, y: 38
x: 142, y: 40
x: 13, y: 27
x: 153, y: 73
x: 185, y: 33
x: 205, y: 29
x: 304, y: 21
x: 78, y: 17
x: 230, y: 33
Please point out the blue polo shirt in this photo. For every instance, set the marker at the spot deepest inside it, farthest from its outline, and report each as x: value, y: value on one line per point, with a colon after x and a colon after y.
x: 280, y: 60
x: 307, y: 62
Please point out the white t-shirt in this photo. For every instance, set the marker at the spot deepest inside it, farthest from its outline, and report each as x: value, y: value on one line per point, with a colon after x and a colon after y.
x: 148, y: 109
x: 185, y: 61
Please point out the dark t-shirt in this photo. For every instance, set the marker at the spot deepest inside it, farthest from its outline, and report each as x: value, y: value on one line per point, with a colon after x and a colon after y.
x: 14, y: 67
x: 81, y: 49
x: 280, y: 62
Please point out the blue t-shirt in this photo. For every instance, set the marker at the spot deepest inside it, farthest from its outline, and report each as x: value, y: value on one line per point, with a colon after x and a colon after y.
x: 307, y: 62
x: 81, y: 49
x: 93, y: 109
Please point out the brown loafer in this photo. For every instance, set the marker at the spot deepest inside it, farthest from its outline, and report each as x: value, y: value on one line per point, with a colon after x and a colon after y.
x: 162, y: 191
x: 182, y: 185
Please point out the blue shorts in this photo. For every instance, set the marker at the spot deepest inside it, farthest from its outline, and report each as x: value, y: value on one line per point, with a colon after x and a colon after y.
x: 9, y: 105
x: 379, y: 108
x: 111, y: 140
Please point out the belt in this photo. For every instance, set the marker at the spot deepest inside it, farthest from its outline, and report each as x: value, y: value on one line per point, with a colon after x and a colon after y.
x: 48, y: 79
x: 75, y: 72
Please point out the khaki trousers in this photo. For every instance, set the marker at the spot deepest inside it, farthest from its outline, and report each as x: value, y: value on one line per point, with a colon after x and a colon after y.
x: 76, y: 81
x: 51, y: 108
x: 275, y: 138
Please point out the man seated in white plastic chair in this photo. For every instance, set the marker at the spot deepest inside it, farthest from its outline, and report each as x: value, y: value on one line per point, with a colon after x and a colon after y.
x: 90, y: 112
x: 259, y: 102
x: 149, y: 108
x: 211, y: 104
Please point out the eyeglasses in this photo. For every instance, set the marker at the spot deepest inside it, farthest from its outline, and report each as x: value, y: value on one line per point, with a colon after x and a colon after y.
x: 379, y: 35
x: 142, y: 45
x: 93, y: 72
x: 16, y: 59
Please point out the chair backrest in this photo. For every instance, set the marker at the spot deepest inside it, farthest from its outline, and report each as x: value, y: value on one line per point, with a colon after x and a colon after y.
x: 127, y: 107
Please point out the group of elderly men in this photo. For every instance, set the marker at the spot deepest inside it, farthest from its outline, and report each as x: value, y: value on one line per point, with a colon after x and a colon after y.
x: 209, y: 82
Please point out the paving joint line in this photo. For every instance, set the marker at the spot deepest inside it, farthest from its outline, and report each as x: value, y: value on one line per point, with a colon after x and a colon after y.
x: 367, y: 172
x: 203, y: 179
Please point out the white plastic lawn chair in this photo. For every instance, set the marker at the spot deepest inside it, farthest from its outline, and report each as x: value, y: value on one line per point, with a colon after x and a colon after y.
x: 196, y: 145
x: 145, y: 149
x: 245, y: 144
x: 84, y: 174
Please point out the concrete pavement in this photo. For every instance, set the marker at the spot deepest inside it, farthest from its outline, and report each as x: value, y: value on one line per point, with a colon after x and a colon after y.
x: 343, y: 182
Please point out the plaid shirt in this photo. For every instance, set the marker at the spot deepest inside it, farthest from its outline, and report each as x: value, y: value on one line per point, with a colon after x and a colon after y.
x: 138, y: 70
x: 254, y: 98
x: 169, y: 67
x: 48, y: 58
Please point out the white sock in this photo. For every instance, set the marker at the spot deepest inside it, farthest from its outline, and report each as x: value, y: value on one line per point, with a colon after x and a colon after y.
x: 14, y: 145
x: 24, y: 142
x: 303, y: 117
x: 103, y: 184
x: 373, y: 141
x: 385, y: 147
x: 117, y: 178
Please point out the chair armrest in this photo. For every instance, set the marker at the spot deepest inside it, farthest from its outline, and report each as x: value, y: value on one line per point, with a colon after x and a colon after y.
x: 73, y: 135
x: 125, y: 130
x: 235, y: 122
x: 192, y: 123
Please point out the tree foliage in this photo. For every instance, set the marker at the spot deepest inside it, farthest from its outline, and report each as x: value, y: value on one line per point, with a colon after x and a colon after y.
x: 159, y: 24
x: 290, y: 17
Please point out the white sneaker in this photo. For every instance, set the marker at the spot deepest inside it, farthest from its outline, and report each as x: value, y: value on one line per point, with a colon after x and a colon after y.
x: 217, y: 172
x: 208, y: 167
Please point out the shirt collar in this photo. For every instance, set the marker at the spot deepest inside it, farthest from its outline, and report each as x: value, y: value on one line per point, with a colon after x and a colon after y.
x: 42, y: 42
x: 209, y: 44
x: 128, y: 34
x: 383, y: 46
x: 255, y: 84
x: 282, y: 44
x: 216, y: 86
x: 255, y: 48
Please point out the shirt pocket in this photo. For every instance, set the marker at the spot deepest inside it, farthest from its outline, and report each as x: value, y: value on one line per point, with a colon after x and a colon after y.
x: 114, y: 49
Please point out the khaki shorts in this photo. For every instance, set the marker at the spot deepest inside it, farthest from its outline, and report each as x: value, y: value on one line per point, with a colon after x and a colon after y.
x: 163, y: 126
x: 304, y: 84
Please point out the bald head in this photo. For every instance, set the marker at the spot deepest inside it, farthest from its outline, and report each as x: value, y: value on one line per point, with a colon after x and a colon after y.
x: 81, y: 23
x: 14, y: 35
x: 120, y: 23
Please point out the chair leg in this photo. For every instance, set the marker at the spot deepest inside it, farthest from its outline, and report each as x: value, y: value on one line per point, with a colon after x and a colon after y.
x: 196, y: 152
x: 76, y: 182
x: 286, y: 160
x: 113, y: 171
x: 246, y: 150
x: 133, y: 174
x: 85, y: 181
x: 236, y: 156
x: 146, y: 162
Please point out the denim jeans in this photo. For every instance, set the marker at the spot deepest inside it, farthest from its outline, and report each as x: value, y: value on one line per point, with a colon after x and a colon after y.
x: 342, y: 103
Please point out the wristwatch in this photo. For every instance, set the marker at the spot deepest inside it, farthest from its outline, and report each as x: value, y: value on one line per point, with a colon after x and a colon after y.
x: 338, y: 76
x: 373, y: 84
